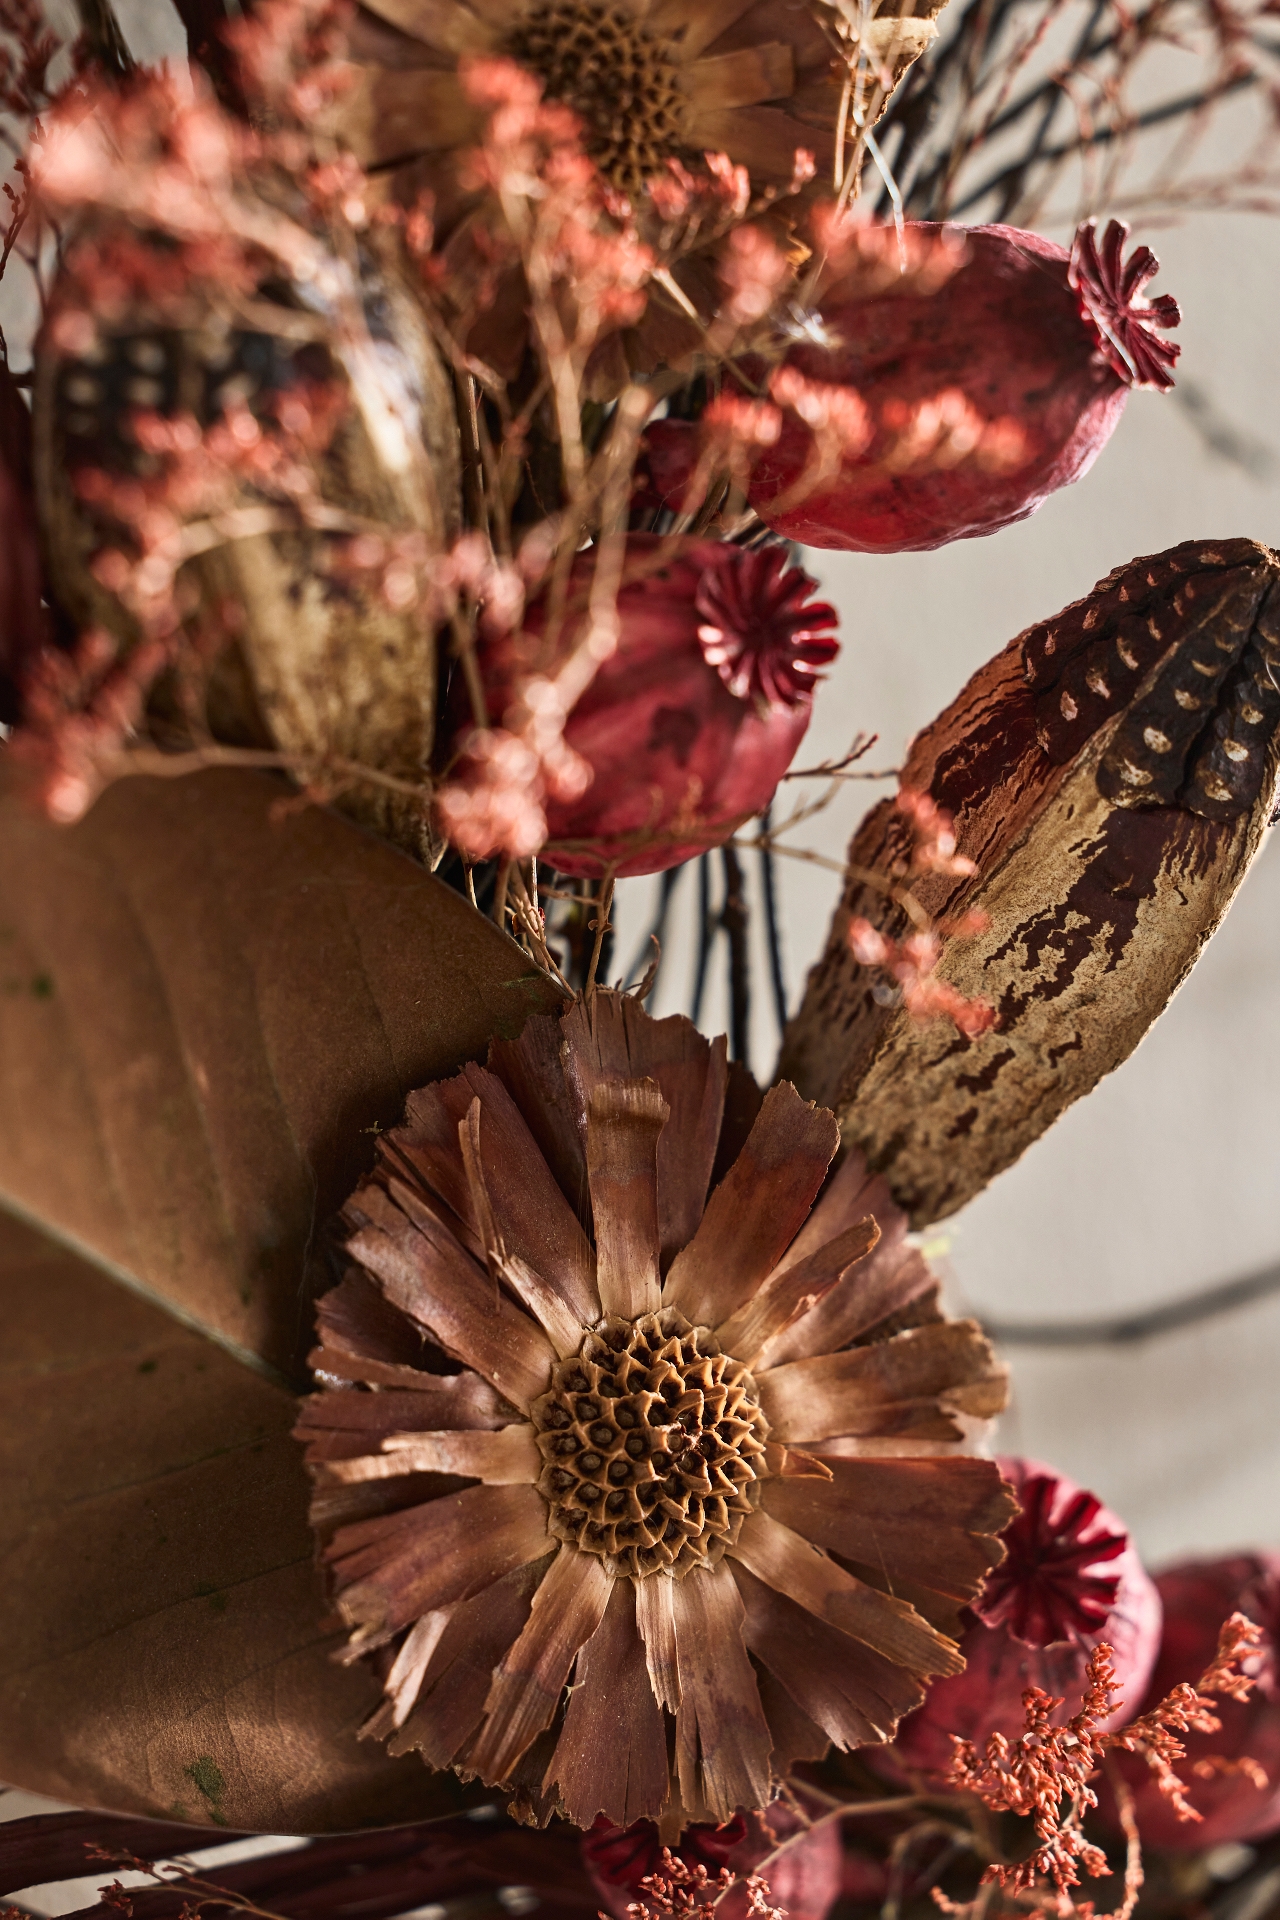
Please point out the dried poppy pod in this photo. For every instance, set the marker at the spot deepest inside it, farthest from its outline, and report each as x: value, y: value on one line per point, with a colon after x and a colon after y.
x: 1232, y: 1776
x: 1069, y: 1580
x: 321, y: 663
x: 691, y: 722
x: 987, y: 395
x: 1112, y: 773
x: 701, y: 1428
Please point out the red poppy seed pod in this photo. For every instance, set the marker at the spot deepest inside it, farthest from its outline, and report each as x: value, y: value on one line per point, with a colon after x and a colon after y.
x: 1069, y: 1580
x: 1198, y: 1595
x: 692, y: 721
x: 987, y: 394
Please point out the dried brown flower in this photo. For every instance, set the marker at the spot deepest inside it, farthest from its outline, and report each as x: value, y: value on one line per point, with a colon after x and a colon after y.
x: 581, y: 1427
x: 653, y: 81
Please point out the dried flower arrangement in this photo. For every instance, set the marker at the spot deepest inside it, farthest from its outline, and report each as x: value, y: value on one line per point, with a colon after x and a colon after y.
x: 422, y: 398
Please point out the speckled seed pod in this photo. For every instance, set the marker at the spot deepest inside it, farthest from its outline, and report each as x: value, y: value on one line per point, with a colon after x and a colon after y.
x: 321, y: 664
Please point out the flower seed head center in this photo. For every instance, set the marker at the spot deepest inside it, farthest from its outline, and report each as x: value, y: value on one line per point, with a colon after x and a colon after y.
x: 653, y: 1446
x: 622, y: 80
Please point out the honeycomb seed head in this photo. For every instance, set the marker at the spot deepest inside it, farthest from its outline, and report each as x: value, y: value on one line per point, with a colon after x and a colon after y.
x: 653, y: 1445
x: 621, y: 78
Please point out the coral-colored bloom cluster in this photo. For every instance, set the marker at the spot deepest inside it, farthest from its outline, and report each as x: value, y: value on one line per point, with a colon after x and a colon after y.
x: 911, y: 962
x: 1046, y: 1773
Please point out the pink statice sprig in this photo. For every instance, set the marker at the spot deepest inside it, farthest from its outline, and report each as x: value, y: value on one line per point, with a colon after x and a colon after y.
x: 909, y: 964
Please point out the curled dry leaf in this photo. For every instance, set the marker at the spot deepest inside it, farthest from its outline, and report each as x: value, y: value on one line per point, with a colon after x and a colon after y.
x: 160, y: 1647
x: 1112, y: 773
x: 209, y: 1014
x: 273, y: 986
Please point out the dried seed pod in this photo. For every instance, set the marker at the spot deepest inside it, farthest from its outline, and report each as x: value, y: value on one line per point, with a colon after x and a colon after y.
x: 693, y: 720
x: 1070, y: 1579
x: 323, y: 664
x: 1111, y: 821
x: 986, y: 395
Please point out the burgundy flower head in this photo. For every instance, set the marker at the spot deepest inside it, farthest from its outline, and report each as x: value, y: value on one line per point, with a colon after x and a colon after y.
x: 759, y: 628
x: 1048, y: 1587
x: 1110, y: 297
x: 1069, y: 1580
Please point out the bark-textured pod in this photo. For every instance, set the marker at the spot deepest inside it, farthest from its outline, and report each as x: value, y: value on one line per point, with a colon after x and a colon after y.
x: 1112, y: 773
x: 323, y: 666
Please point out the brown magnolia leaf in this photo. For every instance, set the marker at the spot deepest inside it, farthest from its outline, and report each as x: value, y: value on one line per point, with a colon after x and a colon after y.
x: 1113, y: 773
x: 208, y: 1006
x: 207, y: 1010
x: 162, y: 1647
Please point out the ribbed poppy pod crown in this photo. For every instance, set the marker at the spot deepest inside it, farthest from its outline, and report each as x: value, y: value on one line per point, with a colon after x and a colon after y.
x: 1070, y: 1579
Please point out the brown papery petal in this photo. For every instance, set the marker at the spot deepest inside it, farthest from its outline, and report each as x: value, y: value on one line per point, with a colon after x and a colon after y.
x: 932, y: 1521
x: 848, y: 1196
x: 457, y: 1681
x: 854, y: 1694
x: 338, y: 1425
x: 699, y: 22
x: 508, y: 1458
x: 785, y: 1561
x: 444, y: 25
x: 793, y: 1290
x: 886, y: 1282
x: 611, y: 1757
x: 442, y: 1552
x: 655, y: 1621
x: 612, y: 1037
x: 856, y: 1392
x: 769, y: 135
x: 755, y: 1212
x: 722, y: 1737
x: 624, y: 1119
x: 567, y: 1609
x: 548, y: 1307
x: 795, y: 1736
x: 424, y: 1271
x: 533, y: 1217
x: 363, y: 1337
x: 404, y: 1682
x: 530, y: 1069
x: 424, y: 1151
x: 744, y: 78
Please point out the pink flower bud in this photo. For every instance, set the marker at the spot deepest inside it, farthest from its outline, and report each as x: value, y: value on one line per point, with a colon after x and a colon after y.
x: 1069, y: 1580
x: 985, y: 394
x: 691, y: 721
x: 1222, y: 1786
